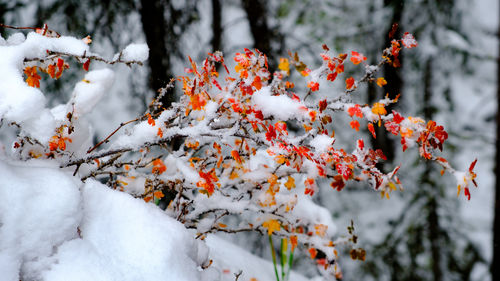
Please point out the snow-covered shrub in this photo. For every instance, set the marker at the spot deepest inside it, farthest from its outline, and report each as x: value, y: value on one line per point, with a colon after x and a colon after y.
x: 223, y: 151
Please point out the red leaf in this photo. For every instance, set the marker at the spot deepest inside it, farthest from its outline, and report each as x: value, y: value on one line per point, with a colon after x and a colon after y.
x: 355, y: 110
x: 357, y: 58
x: 397, y: 117
x: 86, y: 65
x: 322, y: 105
x: 314, y: 86
x: 472, y: 165
x: 372, y: 130
x: 349, y: 83
x: 271, y: 133
x: 467, y: 193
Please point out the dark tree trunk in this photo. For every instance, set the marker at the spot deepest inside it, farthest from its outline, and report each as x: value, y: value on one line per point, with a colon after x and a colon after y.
x: 393, y: 87
x: 153, y: 23
x: 495, y: 264
x: 434, y: 231
x: 393, y: 77
x: 263, y: 36
x: 392, y: 74
x: 216, y: 26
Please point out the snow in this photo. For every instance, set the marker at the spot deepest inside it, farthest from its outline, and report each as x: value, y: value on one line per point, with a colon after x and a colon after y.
x: 53, y: 227
x: 321, y: 143
x: 134, y: 52
x: 281, y: 107
x: 126, y: 239
x: 231, y: 259
x: 39, y: 210
x: 19, y: 102
x: 90, y: 90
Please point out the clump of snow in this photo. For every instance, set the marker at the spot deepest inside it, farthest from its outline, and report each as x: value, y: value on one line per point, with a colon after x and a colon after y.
x: 321, y: 143
x: 135, y: 52
x: 90, y: 90
x: 39, y: 210
x: 312, y: 213
x: 16, y: 38
x: 281, y: 107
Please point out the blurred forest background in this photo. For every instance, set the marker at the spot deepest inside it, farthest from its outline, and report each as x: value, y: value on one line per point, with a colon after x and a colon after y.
x: 423, y: 233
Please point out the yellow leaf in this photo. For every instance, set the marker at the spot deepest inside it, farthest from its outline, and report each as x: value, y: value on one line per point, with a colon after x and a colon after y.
x: 284, y: 65
x: 271, y: 225
x: 280, y: 159
x: 379, y: 109
x: 272, y: 180
x: 233, y: 175
x: 290, y: 183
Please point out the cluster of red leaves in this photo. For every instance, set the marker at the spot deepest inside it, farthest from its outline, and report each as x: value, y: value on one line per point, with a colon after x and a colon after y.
x: 55, y: 70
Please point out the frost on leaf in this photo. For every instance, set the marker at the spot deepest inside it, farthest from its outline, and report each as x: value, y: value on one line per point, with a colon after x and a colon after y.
x: 409, y: 41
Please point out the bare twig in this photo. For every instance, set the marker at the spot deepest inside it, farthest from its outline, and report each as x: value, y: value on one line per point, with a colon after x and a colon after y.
x: 110, y: 135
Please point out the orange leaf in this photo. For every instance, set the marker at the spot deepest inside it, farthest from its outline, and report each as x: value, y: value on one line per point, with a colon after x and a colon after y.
x: 355, y: 125
x: 320, y: 229
x: 257, y: 83
x: 355, y: 110
x: 381, y: 81
x: 51, y: 70
x: 236, y: 156
x: 313, y: 252
x: 158, y: 194
x: 372, y: 130
x: 33, y: 79
x: 158, y: 167
x: 151, y: 121
x: 357, y: 58
x: 293, y: 241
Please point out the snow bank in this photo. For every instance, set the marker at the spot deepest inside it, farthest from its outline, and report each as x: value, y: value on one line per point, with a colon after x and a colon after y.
x: 39, y: 210
x: 123, y: 238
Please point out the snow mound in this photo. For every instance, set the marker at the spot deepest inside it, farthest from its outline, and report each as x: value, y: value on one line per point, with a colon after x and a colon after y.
x: 123, y: 238
x: 39, y: 210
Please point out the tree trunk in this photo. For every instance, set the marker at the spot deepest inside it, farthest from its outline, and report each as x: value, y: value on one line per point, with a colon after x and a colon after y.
x: 394, y: 84
x: 263, y: 36
x: 495, y: 264
x: 153, y: 23
x: 216, y: 26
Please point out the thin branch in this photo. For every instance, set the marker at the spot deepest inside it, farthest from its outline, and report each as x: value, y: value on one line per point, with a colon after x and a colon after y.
x: 85, y: 56
x: 110, y: 135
